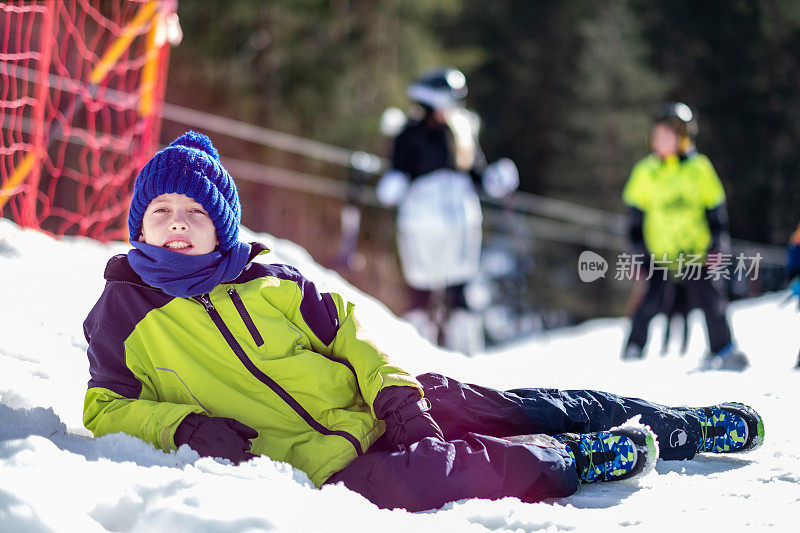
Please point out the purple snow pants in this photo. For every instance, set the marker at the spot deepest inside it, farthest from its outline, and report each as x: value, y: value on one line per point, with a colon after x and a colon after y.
x: 476, y: 462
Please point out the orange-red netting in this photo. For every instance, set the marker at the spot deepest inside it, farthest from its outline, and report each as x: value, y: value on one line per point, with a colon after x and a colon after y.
x: 82, y: 83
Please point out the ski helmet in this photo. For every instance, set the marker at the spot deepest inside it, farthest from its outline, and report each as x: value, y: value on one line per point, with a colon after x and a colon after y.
x: 439, y: 89
x: 680, y: 118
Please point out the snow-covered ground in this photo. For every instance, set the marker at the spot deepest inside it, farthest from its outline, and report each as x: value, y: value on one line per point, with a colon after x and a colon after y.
x: 55, y: 477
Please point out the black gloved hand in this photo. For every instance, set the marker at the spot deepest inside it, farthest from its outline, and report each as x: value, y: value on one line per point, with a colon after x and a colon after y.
x: 213, y: 436
x: 406, y: 415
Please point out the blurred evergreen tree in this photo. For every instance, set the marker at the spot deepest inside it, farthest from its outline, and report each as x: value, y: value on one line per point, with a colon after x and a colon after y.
x: 610, y: 116
x: 523, y: 86
x: 779, y: 133
x: 736, y: 64
x: 325, y: 69
x: 564, y: 89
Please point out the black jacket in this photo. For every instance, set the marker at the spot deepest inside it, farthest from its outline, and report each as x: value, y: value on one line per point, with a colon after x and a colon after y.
x: 420, y: 149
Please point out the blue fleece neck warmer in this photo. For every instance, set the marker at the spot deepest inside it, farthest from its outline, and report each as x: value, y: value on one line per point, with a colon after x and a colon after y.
x: 184, y: 275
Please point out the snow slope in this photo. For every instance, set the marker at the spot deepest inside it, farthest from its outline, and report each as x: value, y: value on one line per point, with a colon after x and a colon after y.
x: 54, y: 477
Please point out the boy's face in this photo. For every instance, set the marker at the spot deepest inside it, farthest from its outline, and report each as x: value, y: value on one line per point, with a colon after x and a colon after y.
x: 664, y: 141
x: 178, y: 223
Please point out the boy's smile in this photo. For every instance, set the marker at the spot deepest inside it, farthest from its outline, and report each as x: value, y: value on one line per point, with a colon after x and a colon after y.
x: 178, y: 223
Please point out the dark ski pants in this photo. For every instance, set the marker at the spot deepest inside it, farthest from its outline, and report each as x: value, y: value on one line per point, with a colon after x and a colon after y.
x: 700, y: 293
x: 475, y: 461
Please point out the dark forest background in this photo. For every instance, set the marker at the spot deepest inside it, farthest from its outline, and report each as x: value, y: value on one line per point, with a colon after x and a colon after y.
x: 564, y: 88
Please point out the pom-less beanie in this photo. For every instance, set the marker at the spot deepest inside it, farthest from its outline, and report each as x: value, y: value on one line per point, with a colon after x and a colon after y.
x: 189, y: 165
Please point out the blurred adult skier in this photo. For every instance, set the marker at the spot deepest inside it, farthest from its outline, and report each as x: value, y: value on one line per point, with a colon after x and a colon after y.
x: 677, y: 218
x: 437, y: 163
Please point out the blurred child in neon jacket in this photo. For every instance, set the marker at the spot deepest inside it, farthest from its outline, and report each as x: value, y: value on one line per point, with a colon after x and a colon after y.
x: 193, y: 342
x: 677, y: 216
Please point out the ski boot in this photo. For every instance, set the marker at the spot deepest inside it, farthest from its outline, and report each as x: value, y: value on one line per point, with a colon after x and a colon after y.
x: 632, y: 352
x: 729, y: 428
x: 625, y: 452
x: 728, y: 358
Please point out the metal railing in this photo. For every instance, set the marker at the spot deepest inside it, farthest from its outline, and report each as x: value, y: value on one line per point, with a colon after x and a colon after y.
x: 548, y: 218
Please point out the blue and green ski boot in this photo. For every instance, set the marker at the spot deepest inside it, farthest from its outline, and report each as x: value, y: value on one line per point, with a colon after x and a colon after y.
x: 625, y: 452
x: 729, y: 428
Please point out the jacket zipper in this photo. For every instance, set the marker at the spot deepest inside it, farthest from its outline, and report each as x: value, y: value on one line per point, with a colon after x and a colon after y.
x: 237, y: 301
x: 205, y: 300
x: 248, y: 321
x: 251, y: 327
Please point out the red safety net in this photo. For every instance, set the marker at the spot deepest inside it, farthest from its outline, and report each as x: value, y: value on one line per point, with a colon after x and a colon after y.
x: 82, y: 85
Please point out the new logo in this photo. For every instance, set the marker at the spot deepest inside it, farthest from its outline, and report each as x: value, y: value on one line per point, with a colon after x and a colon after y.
x: 591, y: 266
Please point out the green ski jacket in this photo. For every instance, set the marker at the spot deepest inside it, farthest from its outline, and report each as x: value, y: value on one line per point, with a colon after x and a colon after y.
x: 266, y: 349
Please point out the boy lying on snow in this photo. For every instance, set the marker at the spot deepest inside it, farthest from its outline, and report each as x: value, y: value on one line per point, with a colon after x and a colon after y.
x: 193, y: 343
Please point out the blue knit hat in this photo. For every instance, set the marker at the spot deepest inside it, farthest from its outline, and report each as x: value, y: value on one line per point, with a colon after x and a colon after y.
x: 189, y: 165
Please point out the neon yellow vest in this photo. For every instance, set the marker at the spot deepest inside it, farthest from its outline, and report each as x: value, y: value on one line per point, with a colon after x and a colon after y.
x: 674, y: 196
